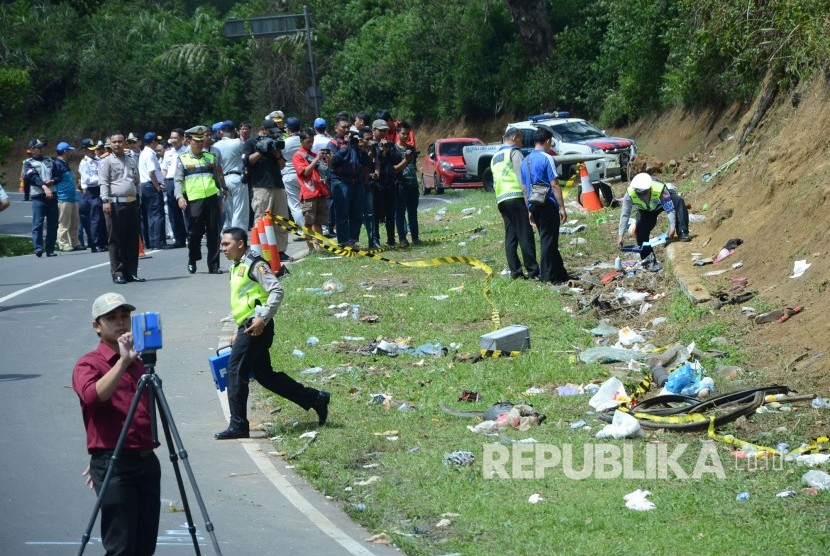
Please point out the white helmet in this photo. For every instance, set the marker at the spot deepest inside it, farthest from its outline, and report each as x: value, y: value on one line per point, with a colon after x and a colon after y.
x: 641, y: 182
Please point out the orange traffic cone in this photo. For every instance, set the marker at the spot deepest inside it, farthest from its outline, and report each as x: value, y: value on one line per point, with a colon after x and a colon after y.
x: 141, y: 253
x: 271, y: 234
x: 256, y: 247
x: 590, y: 199
x: 263, y: 240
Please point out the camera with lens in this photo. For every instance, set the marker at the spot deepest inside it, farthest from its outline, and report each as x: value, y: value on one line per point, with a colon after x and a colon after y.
x: 270, y: 145
x: 354, y: 137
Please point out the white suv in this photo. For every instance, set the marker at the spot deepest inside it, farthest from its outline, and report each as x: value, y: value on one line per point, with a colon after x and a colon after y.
x: 577, y: 136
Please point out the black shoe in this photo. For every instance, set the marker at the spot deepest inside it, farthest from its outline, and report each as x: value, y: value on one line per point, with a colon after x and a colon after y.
x: 178, y: 245
x: 98, y: 249
x: 118, y: 280
x: 79, y: 248
x: 417, y: 242
x: 685, y: 237
x: 38, y: 253
x: 134, y: 278
x: 215, y: 271
x: 321, y: 406
x: 285, y: 257
x: 518, y: 275
x: 191, y: 268
x: 52, y: 254
x: 329, y: 235
x: 375, y: 246
x: 231, y: 433
x: 164, y: 247
x: 404, y: 243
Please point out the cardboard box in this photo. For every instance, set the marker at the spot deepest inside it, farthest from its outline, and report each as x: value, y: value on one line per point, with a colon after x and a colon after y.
x: 509, y: 338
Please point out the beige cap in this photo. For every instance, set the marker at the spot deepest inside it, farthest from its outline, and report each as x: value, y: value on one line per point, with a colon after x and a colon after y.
x: 108, y: 302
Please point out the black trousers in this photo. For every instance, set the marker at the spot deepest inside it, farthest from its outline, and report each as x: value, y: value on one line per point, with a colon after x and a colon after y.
x: 646, y: 220
x: 205, y: 217
x: 518, y: 233
x: 251, y: 353
x: 551, y: 267
x: 132, y: 502
x: 122, y: 229
x: 386, y: 204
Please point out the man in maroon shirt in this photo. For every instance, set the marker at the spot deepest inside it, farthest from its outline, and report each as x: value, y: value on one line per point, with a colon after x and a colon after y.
x: 105, y: 380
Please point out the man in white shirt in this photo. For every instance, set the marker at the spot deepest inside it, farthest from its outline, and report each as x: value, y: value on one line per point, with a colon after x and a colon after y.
x: 168, y: 168
x: 237, y: 203
x: 91, y: 208
x: 152, y: 194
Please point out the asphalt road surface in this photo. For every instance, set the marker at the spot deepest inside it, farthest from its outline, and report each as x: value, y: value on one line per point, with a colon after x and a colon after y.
x: 256, y: 505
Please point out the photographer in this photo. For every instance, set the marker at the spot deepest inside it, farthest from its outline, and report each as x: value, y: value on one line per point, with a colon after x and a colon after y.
x: 346, y: 188
x: 387, y: 158
x: 263, y: 158
x: 408, y: 193
x: 105, y: 380
x: 367, y: 145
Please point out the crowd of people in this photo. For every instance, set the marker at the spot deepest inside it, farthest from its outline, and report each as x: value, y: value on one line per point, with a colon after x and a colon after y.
x: 196, y: 182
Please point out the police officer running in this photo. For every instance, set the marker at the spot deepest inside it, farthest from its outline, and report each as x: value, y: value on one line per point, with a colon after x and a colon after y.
x: 651, y: 197
x: 256, y: 295
x: 198, y: 182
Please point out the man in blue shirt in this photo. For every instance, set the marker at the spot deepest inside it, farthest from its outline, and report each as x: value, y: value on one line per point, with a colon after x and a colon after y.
x: 346, y: 165
x: 68, y: 217
x: 540, y: 167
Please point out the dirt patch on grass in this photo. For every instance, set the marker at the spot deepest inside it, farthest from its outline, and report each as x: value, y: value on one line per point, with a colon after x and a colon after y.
x: 776, y: 198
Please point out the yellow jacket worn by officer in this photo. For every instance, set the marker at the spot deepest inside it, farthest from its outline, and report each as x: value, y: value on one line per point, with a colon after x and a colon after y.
x: 198, y: 182
x: 651, y: 197
x: 256, y: 295
x: 510, y: 198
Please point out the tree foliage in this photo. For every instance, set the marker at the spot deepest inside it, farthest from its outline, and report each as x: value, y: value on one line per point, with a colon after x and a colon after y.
x: 149, y: 64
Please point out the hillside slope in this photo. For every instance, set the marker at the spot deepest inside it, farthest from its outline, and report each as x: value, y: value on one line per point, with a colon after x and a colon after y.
x: 776, y: 198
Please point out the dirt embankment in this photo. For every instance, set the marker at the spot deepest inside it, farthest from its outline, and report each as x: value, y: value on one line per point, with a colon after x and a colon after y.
x: 775, y: 197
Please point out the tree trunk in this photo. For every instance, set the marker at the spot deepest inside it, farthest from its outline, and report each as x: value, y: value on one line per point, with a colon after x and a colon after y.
x: 531, y: 19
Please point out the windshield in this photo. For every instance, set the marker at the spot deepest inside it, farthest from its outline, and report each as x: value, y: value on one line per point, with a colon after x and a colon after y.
x: 454, y: 149
x: 573, y: 132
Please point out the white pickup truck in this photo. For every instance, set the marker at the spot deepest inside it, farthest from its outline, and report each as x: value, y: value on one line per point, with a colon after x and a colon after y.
x: 574, y: 140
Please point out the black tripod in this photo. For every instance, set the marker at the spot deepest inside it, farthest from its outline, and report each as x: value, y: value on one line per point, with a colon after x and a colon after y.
x: 151, y: 379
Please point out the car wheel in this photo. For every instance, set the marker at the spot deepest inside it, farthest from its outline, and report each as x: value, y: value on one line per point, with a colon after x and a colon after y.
x: 438, y: 188
x: 424, y: 189
x: 487, y: 179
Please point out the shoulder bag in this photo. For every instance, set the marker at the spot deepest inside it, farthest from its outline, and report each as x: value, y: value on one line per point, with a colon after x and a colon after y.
x: 538, y: 190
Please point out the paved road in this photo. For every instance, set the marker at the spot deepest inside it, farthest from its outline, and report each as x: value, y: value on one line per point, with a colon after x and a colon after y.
x: 255, y: 504
x: 17, y: 219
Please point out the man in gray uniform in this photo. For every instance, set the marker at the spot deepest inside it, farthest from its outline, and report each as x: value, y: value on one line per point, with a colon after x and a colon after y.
x: 236, y: 204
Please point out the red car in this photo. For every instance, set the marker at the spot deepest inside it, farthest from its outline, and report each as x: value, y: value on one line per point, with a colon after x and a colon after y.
x: 443, y: 166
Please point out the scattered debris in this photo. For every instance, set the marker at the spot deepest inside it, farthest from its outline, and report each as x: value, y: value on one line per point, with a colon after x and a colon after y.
x: 622, y: 426
x: 459, y: 458
x: 779, y: 315
x: 799, y: 268
x: 469, y: 396
x: 638, y: 500
x: 535, y: 498
x: 380, y: 538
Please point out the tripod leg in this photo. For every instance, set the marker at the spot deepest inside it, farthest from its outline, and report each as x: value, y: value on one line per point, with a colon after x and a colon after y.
x: 174, y: 459
x: 170, y: 429
x: 140, y: 387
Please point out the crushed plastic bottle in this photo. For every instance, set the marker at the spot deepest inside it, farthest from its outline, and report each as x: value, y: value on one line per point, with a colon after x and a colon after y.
x: 355, y: 311
x: 742, y: 496
x: 819, y: 403
x: 312, y: 371
x: 298, y: 353
x: 313, y: 340
x: 817, y: 479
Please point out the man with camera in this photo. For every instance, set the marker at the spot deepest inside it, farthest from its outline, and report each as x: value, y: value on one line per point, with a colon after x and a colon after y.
x: 256, y: 295
x: 263, y: 158
x: 406, y: 212
x: 198, y: 182
x: 105, y: 380
x: 387, y: 160
x: 346, y: 166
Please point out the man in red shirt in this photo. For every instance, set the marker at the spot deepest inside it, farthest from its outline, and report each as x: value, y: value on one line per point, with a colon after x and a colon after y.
x: 105, y: 380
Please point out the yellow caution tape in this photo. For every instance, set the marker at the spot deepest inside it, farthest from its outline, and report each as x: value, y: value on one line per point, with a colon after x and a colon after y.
x: 292, y: 227
x: 497, y: 353
x: 642, y: 388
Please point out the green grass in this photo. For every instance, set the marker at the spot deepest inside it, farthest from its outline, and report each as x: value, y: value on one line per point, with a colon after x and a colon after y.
x: 12, y: 246
x: 415, y: 488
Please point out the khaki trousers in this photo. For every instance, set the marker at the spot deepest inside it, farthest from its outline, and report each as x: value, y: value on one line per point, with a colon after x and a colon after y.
x: 68, y: 221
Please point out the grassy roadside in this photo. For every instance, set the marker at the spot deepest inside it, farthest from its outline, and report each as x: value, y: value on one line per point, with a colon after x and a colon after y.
x: 415, y: 489
x: 12, y: 246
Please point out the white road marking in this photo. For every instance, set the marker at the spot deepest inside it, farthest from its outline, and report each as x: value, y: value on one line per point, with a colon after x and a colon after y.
x: 313, y: 514
x: 47, y: 282
x: 55, y: 279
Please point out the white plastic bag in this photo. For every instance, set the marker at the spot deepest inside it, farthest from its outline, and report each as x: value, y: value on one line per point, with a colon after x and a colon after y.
x: 610, y: 394
x: 622, y: 425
